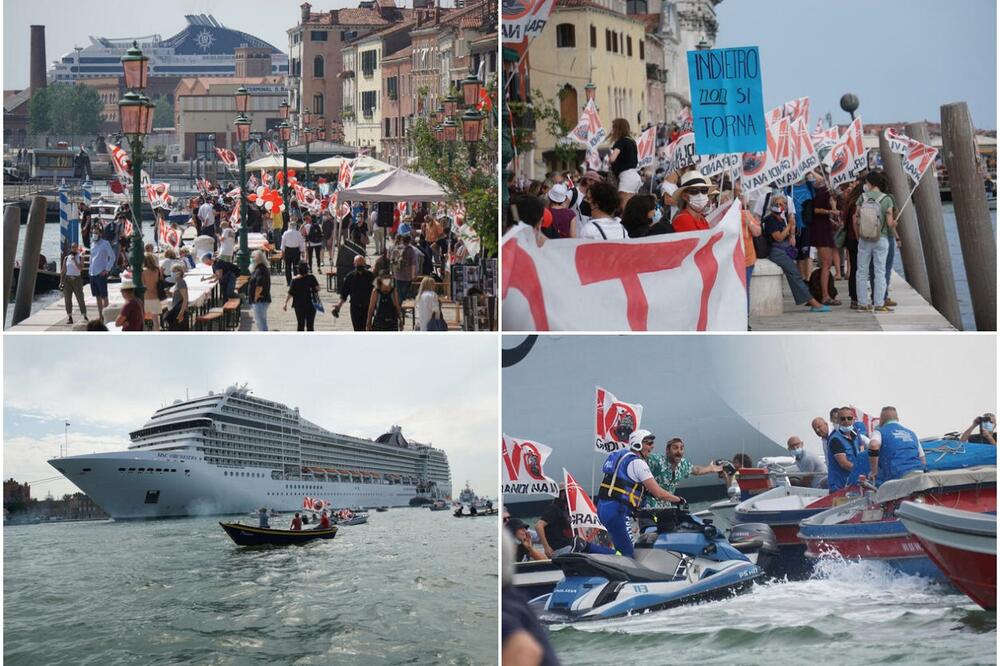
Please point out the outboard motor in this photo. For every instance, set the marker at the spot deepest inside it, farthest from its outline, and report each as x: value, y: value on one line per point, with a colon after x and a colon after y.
x: 756, y: 539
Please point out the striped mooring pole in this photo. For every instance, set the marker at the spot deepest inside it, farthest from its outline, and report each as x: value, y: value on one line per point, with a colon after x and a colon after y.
x: 64, y: 216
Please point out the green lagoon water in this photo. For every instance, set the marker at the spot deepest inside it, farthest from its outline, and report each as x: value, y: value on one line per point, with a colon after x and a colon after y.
x: 411, y: 587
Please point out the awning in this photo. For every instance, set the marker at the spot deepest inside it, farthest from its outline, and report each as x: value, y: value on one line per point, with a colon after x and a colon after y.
x: 397, y: 185
x: 274, y: 162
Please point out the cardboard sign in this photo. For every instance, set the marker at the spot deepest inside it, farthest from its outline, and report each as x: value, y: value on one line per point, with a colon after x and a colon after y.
x: 727, y: 101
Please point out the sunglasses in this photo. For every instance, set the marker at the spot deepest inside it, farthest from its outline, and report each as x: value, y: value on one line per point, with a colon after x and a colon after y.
x: 846, y: 419
x: 697, y: 190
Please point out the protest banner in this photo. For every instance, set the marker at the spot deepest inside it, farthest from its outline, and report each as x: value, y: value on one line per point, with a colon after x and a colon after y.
x: 523, y: 464
x: 685, y: 281
x: 680, y: 152
x: 727, y: 102
x: 582, y: 512
x: 590, y: 127
x: 646, y: 146
x: 801, y: 152
x: 856, y: 131
x: 524, y: 19
x: 593, y: 159
x: 847, y: 156
x: 917, y: 157
x: 763, y: 168
x: 713, y: 165
x: 616, y: 420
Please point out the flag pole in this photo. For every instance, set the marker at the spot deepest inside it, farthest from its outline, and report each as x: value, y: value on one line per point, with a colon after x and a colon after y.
x: 905, y: 203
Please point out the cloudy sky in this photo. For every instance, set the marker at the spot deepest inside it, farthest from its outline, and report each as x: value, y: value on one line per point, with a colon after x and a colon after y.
x: 902, y: 58
x: 441, y: 390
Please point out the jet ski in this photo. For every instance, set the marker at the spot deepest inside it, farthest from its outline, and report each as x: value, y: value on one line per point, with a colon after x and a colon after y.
x: 681, y: 559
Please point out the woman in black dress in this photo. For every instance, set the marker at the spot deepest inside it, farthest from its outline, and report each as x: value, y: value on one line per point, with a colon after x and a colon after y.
x: 302, y: 292
x: 383, y: 308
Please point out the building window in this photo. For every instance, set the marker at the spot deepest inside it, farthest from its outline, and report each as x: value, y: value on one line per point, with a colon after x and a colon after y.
x: 317, y: 35
x: 318, y: 105
x: 369, y: 61
x: 565, y: 36
x: 296, y: 67
x: 628, y: 46
x: 614, y: 42
x: 318, y: 67
x: 636, y: 7
x: 204, y: 146
x: 607, y: 40
x: 388, y: 127
x: 392, y: 87
x: 369, y: 99
x: 593, y: 37
x: 642, y: 50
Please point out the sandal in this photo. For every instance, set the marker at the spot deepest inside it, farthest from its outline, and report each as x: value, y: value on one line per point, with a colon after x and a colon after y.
x: 832, y: 301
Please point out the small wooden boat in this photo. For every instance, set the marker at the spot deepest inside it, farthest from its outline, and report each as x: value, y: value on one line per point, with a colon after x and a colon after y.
x: 381, y: 508
x: 249, y: 535
x: 45, y: 281
x: 356, y: 520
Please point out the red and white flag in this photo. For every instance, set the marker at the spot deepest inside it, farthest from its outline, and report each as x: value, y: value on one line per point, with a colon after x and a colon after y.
x: 848, y: 156
x: 616, y: 420
x: 824, y: 139
x: 589, y: 130
x: 582, y: 512
x: 793, y: 110
x: 801, y: 152
x: 120, y: 161
x: 760, y: 169
x: 680, y: 152
x: 647, y: 146
x: 685, y: 281
x: 523, y: 472
x: 227, y: 156
x: 685, y: 121
x: 917, y: 157
x: 346, y: 174
x: 169, y: 235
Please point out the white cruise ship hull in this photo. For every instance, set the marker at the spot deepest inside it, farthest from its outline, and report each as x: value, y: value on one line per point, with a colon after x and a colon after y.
x: 177, y: 484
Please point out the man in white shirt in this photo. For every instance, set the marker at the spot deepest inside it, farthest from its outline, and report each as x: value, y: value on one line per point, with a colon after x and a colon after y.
x: 292, y: 243
x: 206, y: 214
x: 813, y: 469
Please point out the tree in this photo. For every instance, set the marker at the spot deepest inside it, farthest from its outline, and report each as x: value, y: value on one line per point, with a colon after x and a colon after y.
x: 473, y: 187
x: 163, y: 115
x: 64, y: 109
x: 541, y: 109
x: 38, y: 112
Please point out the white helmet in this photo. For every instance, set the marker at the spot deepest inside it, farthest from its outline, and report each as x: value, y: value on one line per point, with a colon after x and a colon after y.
x: 636, y: 438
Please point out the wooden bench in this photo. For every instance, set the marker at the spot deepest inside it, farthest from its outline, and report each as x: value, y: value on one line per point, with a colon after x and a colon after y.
x: 409, y: 306
x: 231, y: 313
x: 331, y: 279
x: 276, y: 267
x: 242, y: 282
x: 209, y: 321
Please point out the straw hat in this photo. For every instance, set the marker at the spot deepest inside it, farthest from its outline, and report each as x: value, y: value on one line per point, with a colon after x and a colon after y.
x: 694, y: 178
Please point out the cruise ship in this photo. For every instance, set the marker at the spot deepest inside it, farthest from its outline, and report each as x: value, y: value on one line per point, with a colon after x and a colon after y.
x: 203, y: 48
x: 727, y: 394
x: 233, y: 452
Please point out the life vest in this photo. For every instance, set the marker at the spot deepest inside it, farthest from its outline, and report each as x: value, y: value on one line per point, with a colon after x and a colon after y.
x: 617, y: 484
x: 837, y: 477
x: 899, y: 453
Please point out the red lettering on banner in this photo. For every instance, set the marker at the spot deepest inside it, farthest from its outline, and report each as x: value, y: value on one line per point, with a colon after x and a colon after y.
x: 600, y: 262
x: 704, y: 259
x: 525, y: 280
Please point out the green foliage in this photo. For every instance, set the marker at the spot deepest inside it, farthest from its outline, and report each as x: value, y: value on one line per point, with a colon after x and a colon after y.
x: 473, y: 187
x: 163, y: 114
x: 64, y: 109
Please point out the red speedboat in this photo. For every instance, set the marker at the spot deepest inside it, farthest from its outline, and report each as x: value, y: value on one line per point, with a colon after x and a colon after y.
x: 963, y: 544
x: 869, y: 529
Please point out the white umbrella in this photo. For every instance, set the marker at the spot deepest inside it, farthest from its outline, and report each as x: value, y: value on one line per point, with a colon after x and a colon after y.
x: 275, y: 162
x: 397, y: 185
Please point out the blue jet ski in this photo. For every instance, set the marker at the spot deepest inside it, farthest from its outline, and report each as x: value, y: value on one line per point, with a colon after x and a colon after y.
x: 679, y: 559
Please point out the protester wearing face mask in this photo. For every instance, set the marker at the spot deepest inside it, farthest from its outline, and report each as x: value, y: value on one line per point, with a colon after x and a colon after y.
x: 987, y: 424
x: 812, y: 470
x: 642, y: 217
x: 821, y: 234
x: 692, y: 198
x: 847, y: 455
x: 780, y: 231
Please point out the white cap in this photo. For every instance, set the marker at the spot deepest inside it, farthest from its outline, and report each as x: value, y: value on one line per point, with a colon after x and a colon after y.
x: 558, y: 193
x: 636, y: 438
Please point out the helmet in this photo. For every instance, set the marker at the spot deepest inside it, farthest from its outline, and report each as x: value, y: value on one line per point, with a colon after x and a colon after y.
x: 636, y: 438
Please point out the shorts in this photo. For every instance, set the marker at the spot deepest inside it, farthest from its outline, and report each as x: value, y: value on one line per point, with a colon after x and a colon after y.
x: 629, y: 181
x: 802, y: 243
x: 99, y: 286
x: 153, y: 305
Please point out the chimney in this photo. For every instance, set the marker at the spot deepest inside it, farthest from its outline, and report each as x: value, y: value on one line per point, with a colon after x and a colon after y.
x: 305, y: 7
x: 37, y: 58
x: 334, y: 17
x: 437, y: 14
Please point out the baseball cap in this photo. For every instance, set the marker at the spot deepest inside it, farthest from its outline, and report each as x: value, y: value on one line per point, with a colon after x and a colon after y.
x: 514, y: 524
x: 558, y: 193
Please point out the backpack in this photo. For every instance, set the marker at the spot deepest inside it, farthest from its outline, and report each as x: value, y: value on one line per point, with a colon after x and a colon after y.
x: 402, y: 261
x: 315, y: 234
x: 870, y: 218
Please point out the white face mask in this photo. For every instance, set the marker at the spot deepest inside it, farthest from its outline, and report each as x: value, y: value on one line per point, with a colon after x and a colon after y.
x: 699, y: 201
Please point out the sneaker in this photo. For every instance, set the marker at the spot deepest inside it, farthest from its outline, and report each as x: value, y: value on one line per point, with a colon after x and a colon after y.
x: 70, y: 320
x: 883, y: 308
x: 854, y: 305
x: 891, y: 303
x: 864, y: 308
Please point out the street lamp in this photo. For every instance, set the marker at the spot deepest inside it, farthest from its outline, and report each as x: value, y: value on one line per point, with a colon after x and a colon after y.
x: 450, y: 105
x: 449, y: 133
x: 591, y: 90
x: 66, y: 438
x: 242, y: 124
x: 472, y: 132
x: 286, y: 134
x: 242, y: 100
x: 135, y: 112
x: 307, y: 132
x: 470, y: 89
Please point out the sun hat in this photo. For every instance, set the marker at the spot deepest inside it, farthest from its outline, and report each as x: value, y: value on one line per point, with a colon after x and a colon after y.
x: 558, y: 193
x: 694, y: 178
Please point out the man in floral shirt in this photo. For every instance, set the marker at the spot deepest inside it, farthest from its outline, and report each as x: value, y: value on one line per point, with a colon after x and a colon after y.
x: 673, y: 468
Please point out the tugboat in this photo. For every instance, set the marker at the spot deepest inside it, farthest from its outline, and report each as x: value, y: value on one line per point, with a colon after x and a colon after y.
x: 467, y: 496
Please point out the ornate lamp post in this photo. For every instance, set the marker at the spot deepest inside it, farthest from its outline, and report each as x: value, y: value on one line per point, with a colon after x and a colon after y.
x: 591, y: 90
x: 306, y: 120
x: 136, y: 114
x: 450, y: 105
x: 472, y: 132
x: 470, y: 90
x: 308, y: 135
x: 286, y: 133
x: 449, y: 133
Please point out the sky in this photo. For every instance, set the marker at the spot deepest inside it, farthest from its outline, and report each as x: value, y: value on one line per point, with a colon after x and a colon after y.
x: 440, y: 390
x: 902, y: 58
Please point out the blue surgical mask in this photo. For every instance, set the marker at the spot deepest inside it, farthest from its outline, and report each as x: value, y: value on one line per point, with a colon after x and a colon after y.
x: 988, y: 426
x: 846, y: 428
x: 657, y: 215
x: 798, y: 453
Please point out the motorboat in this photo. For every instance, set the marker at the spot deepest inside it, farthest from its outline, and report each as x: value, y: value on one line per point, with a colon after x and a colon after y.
x: 478, y: 514
x: 681, y: 559
x: 380, y: 509
x: 535, y: 578
x: 963, y: 545
x: 868, y: 527
x: 45, y: 280
x: 249, y: 535
x: 748, y: 482
x: 355, y: 520
x: 439, y: 505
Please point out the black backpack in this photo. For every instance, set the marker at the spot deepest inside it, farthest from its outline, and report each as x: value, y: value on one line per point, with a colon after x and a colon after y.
x: 315, y: 233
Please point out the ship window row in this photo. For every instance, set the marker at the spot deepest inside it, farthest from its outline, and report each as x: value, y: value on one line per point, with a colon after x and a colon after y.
x: 147, y: 469
x: 254, y: 474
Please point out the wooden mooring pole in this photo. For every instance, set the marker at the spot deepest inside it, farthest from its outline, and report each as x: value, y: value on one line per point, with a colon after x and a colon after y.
x: 911, y: 250
x: 930, y: 221
x: 968, y: 194
x: 11, y: 230
x: 29, y: 260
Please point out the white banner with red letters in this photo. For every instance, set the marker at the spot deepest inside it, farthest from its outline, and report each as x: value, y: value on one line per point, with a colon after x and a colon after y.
x: 689, y: 281
x: 523, y: 462
x: 616, y: 420
x: 589, y: 130
x: 582, y: 512
x: 646, y: 146
x: 771, y: 165
x: 524, y: 19
x: 848, y: 156
x: 917, y: 157
x: 680, y: 152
